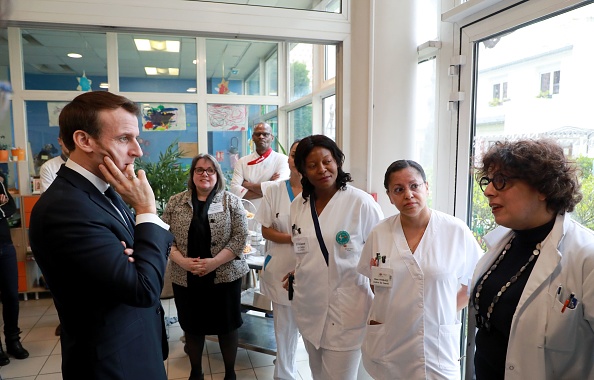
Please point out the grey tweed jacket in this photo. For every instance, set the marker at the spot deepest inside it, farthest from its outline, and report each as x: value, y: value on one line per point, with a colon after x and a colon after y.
x: 228, y: 230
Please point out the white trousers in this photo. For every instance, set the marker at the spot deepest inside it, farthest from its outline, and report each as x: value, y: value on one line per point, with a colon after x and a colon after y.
x: 287, y: 337
x: 332, y: 365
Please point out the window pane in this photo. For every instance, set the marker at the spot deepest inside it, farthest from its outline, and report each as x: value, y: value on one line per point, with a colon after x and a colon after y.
x: 530, y: 62
x: 7, y: 171
x: 329, y: 104
x: 64, y: 60
x: 43, y: 131
x: 232, y: 63
x: 300, y: 122
x: 230, y: 129
x: 272, y: 75
x: 330, y: 63
x: 153, y: 63
x: 300, y: 71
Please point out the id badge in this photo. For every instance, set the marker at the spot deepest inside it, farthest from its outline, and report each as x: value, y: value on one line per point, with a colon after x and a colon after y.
x: 215, y: 208
x: 300, y: 245
x: 382, y: 277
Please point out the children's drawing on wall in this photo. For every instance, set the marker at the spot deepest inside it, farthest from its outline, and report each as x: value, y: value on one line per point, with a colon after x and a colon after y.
x: 225, y: 117
x: 53, y: 112
x: 163, y: 117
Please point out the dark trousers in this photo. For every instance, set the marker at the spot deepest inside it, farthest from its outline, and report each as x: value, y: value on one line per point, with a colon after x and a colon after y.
x: 9, y: 290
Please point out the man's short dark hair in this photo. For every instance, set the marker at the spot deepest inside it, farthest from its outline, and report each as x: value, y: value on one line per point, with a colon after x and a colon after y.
x: 82, y: 113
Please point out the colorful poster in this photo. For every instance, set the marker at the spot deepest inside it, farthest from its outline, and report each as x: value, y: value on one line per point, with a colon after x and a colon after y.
x: 163, y: 117
x: 226, y: 117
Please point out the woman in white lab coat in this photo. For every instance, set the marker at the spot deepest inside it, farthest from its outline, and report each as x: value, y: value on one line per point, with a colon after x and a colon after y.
x: 420, y: 263
x: 331, y: 299
x: 533, y: 291
x: 273, y: 214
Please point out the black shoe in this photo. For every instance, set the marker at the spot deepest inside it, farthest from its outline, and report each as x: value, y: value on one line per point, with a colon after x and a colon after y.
x: 4, y: 360
x: 16, y: 349
x: 58, y: 330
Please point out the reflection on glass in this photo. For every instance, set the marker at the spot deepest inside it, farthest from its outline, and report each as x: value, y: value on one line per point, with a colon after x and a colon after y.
x: 329, y: 120
x: 64, y: 60
x: 300, y: 71
x: 300, y: 122
x: 239, y: 67
x: 535, y: 82
x: 332, y: 6
x: 155, y: 63
x: 230, y: 129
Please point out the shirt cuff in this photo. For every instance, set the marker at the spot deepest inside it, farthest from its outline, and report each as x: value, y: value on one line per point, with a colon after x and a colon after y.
x: 151, y: 218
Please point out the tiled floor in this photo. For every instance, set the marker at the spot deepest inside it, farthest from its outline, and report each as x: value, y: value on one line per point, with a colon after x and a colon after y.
x: 38, y: 320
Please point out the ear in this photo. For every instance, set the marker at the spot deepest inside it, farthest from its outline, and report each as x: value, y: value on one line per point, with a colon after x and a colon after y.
x: 83, y: 141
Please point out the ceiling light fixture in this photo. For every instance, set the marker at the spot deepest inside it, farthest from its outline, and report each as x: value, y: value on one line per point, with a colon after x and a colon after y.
x: 74, y: 55
x: 172, y: 71
x: 191, y: 89
x: 104, y: 85
x: 154, y: 45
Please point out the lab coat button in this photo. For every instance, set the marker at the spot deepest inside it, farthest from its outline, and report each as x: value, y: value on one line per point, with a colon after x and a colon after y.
x: 420, y: 277
x: 511, y: 367
x: 421, y: 305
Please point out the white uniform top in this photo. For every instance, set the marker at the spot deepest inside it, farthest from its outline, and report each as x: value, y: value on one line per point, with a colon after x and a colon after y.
x: 258, y: 173
x: 331, y: 301
x: 48, y: 171
x: 280, y: 259
x: 545, y: 343
x: 419, y: 334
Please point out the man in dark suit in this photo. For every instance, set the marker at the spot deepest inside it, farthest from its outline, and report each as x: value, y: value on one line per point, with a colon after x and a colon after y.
x: 104, y: 267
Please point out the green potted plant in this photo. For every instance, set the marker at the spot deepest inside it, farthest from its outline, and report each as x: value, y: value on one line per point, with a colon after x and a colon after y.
x: 166, y: 176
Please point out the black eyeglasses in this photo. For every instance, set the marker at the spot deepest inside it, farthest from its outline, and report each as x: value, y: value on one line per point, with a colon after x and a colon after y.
x: 258, y: 134
x: 200, y: 171
x: 499, y: 181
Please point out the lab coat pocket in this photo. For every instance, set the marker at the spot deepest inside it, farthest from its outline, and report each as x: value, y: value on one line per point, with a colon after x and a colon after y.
x: 354, y: 303
x: 449, y: 346
x: 561, y: 328
x: 374, y: 344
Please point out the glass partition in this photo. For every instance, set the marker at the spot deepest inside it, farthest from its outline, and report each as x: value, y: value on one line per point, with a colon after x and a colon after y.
x: 155, y: 63
x: 64, y: 60
x: 230, y: 129
x: 241, y: 67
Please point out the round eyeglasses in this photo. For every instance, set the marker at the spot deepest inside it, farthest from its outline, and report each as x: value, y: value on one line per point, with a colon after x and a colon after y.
x: 498, y: 180
x: 201, y: 171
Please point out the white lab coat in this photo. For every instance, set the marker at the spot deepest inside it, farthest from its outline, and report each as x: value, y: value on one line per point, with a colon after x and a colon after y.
x: 258, y: 173
x: 419, y: 334
x: 545, y: 343
x: 331, y: 301
x: 274, y: 212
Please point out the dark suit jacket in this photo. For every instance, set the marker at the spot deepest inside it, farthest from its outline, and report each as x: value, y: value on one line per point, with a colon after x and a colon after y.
x: 109, y: 308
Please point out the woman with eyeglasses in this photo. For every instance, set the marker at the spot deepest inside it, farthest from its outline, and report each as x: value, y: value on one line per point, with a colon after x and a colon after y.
x: 207, y: 262
x: 330, y: 221
x: 419, y: 263
x: 533, y: 291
